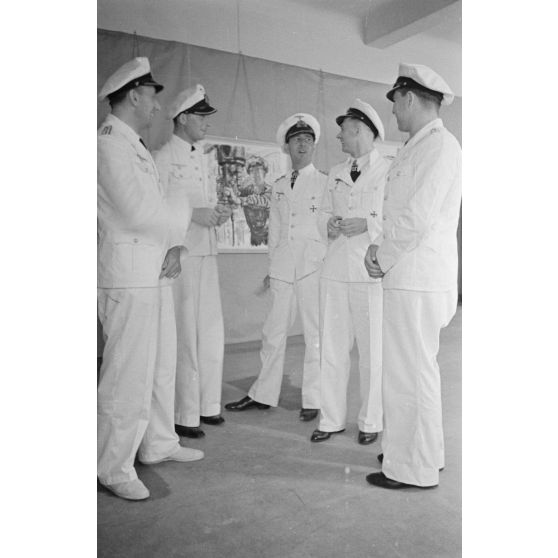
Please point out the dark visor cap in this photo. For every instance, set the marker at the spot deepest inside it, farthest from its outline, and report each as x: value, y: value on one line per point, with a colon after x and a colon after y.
x: 299, y: 128
x: 146, y: 79
x: 411, y: 84
x: 201, y: 107
x: 357, y: 115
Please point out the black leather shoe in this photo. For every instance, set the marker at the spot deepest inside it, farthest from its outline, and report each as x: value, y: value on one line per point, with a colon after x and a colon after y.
x: 381, y: 460
x: 379, y: 479
x: 320, y: 435
x: 365, y: 438
x: 189, y: 431
x: 308, y: 414
x: 214, y: 420
x: 244, y: 404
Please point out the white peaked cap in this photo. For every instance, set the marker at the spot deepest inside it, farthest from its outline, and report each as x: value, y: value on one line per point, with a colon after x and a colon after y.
x: 359, y: 110
x: 302, y: 123
x: 426, y: 78
x: 134, y: 73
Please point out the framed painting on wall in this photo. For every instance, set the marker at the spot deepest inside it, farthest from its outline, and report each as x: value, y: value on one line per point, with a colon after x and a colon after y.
x: 242, y: 172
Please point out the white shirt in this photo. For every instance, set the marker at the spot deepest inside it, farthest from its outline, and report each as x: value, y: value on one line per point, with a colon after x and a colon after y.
x: 421, y: 213
x: 344, y: 260
x: 184, y: 171
x: 297, y: 241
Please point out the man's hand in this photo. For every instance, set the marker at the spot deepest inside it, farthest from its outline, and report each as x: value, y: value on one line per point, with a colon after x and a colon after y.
x: 205, y: 216
x: 371, y: 263
x: 333, y: 227
x: 224, y: 212
x: 171, y: 265
x: 353, y: 226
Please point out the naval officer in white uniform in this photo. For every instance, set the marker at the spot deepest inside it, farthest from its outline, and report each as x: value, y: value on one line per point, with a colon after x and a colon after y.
x: 417, y: 259
x: 297, y: 245
x: 136, y: 228
x: 197, y: 298
x: 351, y: 301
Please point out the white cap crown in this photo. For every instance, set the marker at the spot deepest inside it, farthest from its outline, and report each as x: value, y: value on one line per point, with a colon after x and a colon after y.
x: 304, y: 121
x: 137, y: 69
x: 359, y: 110
x: 190, y: 98
x: 426, y: 78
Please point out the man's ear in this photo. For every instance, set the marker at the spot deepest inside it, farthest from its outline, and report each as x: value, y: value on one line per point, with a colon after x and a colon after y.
x: 411, y: 98
x: 133, y: 96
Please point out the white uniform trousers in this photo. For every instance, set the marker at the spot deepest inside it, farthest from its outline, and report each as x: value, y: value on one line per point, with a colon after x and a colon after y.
x: 413, y: 439
x: 200, y: 340
x: 136, y: 387
x: 303, y: 293
x: 350, y: 310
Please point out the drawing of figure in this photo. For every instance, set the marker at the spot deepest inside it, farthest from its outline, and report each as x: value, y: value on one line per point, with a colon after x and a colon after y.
x: 256, y: 203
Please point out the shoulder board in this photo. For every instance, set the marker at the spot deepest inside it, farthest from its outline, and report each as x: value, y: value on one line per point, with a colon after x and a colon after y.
x: 435, y: 131
x: 106, y: 130
x: 277, y: 179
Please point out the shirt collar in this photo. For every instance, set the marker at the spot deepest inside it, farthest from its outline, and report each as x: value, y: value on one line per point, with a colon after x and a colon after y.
x: 187, y: 145
x: 305, y: 170
x: 436, y: 123
x: 124, y: 129
x: 366, y: 158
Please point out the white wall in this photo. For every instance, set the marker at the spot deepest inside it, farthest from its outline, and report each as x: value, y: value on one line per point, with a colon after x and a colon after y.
x: 283, y: 31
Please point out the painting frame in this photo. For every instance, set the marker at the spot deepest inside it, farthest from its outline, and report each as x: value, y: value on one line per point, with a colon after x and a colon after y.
x: 242, y: 173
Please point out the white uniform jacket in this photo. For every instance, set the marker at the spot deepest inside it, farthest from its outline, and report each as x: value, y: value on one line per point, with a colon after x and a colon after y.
x: 135, y: 227
x: 184, y: 171
x: 297, y: 240
x: 421, y: 213
x: 344, y: 260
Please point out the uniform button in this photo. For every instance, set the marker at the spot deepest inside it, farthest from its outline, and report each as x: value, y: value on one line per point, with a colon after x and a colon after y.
x: 384, y: 217
x: 292, y: 226
x: 135, y: 240
x: 385, y: 198
x: 293, y: 214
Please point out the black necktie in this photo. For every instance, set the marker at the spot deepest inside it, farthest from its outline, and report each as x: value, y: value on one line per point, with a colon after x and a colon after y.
x: 293, y: 178
x: 192, y: 148
x: 355, y: 173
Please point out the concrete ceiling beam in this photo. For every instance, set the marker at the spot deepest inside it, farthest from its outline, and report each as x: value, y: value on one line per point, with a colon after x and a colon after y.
x: 389, y: 22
